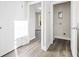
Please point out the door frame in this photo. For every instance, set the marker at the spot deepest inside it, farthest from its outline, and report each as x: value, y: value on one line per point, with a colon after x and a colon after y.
x: 42, y: 24
x: 61, y: 37
x: 52, y: 4
x: 51, y: 15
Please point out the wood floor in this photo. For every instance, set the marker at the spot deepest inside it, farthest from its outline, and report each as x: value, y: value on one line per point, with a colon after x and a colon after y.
x: 60, y: 48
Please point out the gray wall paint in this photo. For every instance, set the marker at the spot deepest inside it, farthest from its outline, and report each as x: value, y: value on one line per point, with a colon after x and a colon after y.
x: 64, y: 27
x: 78, y: 42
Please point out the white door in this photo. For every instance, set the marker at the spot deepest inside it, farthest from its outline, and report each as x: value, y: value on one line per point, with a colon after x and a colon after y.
x: 45, y: 28
x: 73, y: 29
x: 77, y: 22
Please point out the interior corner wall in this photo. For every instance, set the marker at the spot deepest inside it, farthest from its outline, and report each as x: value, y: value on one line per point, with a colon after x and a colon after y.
x: 31, y: 22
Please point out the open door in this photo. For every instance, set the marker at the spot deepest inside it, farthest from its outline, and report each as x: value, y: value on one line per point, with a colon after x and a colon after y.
x: 46, y: 37
x: 73, y: 29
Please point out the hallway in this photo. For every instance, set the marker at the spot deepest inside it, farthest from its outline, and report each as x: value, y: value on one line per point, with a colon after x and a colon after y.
x: 60, y: 48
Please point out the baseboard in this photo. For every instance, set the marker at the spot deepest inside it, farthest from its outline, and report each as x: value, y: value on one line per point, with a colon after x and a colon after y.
x: 7, y: 52
x: 20, y: 42
x: 65, y: 38
x: 31, y: 38
x: 11, y: 49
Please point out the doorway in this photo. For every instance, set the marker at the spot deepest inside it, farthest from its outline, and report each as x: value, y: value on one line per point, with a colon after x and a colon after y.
x: 62, y: 26
x: 38, y: 25
x: 35, y: 22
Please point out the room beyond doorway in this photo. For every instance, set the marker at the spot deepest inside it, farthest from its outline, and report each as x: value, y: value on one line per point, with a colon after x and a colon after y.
x: 62, y: 21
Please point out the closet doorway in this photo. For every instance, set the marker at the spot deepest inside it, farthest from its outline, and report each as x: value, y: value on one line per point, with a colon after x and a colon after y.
x: 62, y: 24
x: 62, y: 27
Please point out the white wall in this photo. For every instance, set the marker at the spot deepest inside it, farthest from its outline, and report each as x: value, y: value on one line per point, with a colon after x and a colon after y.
x: 31, y: 23
x: 46, y: 22
x: 21, y: 33
x: 21, y: 29
x: 74, y: 19
x: 75, y: 23
x: 9, y: 11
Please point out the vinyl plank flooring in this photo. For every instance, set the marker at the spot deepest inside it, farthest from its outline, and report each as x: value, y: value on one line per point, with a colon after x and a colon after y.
x: 60, y: 48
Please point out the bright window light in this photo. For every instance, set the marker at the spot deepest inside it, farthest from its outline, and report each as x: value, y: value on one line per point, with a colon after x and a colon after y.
x: 21, y: 29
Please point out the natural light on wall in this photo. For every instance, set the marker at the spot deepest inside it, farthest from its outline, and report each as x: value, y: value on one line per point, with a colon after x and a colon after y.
x: 20, y: 30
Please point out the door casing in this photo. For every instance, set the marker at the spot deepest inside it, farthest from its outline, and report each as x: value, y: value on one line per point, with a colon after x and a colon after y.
x: 73, y: 50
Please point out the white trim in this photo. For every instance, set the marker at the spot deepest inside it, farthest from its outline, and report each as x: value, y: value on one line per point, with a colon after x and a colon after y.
x: 32, y: 3
x: 51, y: 23
x: 73, y: 32
x: 31, y: 38
x: 58, y: 2
x: 65, y: 38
